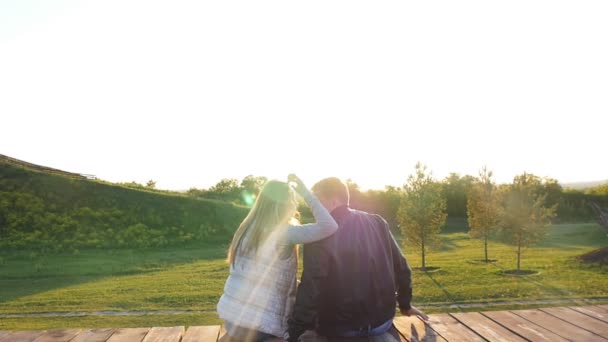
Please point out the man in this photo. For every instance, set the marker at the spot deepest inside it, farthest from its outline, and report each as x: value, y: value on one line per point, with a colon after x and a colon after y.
x: 350, y: 279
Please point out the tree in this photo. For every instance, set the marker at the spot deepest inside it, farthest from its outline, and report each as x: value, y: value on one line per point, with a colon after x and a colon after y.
x: 602, y: 215
x: 225, y: 189
x: 553, y: 190
x: 151, y: 184
x: 357, y: 198
x: 525, y: 219
x: 194, y: 192
x: 483, y: 208
x: 456, y: 190
x: 382, y: 202
x: 391, y: 198
x: 250, y: 188
x: 421, y: 211
x: 253, y: 184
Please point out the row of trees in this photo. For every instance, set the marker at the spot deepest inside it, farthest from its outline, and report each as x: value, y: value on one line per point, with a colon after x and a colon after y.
x: 518, y: 212
x: 572, y: 205
x: 230, y: 189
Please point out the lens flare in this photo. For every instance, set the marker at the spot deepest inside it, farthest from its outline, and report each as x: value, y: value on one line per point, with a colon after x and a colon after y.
x: 248, y: 198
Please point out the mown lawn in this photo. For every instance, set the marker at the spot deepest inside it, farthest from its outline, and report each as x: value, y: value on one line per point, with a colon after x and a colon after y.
x: 192, y: 277
x: 463, y: 278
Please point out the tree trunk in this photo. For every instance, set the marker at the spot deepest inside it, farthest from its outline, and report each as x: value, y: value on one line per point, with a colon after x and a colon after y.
x: 518, y: 256
x: 485, y: 246
x: 423, y: 257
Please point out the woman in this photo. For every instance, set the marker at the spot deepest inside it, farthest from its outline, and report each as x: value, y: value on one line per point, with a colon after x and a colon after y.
x: 260, y: 291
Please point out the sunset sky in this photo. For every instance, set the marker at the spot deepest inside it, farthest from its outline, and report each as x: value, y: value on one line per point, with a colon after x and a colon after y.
x: 189, y: 92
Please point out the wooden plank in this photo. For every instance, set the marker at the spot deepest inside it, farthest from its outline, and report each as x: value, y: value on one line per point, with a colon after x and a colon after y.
x: 23, y: 336
x: 414, y: 329
x: 94, y: 335
x: 486, y: 327
x: 580, y: 320
x: 222, y: 332
x: 452, y: 330
x: 522, y: 327
x: 164, y: 334
x: 129, y: 335
x: 4, y: 333
x: 58, y: 335
x: 558, y: 326
x: 202, y: 334
x: 592, y: 311
x: 602, y: 307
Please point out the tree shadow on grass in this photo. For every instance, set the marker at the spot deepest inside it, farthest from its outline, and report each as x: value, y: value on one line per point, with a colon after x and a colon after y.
x: 447, y: 244
x: 520, y: 272
x: 441, y: 287
x: 482, y: 261
x: 530, y: 277
x: 426, y: 269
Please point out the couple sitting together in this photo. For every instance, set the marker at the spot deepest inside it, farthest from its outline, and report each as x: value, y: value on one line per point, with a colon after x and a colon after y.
x: 354, y: 273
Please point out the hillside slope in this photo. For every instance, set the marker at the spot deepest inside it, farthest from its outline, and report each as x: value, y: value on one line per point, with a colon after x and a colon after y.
x: 50, y: 211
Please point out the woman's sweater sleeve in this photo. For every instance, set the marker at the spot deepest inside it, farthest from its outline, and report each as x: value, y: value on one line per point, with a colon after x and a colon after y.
x: 325, y: 225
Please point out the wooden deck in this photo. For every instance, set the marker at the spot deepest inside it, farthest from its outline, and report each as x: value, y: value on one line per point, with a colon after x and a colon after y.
x: 586, y: 323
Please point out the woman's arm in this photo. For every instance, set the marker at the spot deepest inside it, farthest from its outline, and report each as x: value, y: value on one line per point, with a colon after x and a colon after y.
x: 325, y: 225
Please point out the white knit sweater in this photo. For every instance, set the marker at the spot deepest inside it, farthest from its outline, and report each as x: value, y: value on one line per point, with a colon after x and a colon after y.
x: 260, y: 291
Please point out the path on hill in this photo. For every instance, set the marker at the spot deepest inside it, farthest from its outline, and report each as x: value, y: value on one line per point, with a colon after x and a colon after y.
x: 574, y: 301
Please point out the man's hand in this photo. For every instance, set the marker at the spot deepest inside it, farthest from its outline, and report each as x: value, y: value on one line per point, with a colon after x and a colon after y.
x: 414, y: 311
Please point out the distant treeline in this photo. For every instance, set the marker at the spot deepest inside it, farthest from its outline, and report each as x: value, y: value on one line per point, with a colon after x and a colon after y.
x: 55, y: 213
x: 572, y: 205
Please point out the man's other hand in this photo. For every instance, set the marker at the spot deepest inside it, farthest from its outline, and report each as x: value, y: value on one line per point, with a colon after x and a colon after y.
x: 414, y: 311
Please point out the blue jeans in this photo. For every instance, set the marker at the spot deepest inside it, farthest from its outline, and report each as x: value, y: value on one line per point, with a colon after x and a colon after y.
x: 379, y: 330
x: 243, y: 333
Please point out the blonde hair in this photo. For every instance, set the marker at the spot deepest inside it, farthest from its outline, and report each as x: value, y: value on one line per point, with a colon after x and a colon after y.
x: 275, y: 206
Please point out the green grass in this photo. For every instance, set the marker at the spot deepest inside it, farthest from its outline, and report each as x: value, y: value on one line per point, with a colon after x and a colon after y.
x: 179, y: 278
x: 192, y: 278
x: 463, y: 278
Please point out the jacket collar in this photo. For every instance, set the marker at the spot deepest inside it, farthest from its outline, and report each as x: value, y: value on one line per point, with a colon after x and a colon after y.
x: 340, y: 212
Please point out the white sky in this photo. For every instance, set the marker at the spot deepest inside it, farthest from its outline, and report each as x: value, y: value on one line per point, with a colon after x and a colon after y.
x: 189, y: 92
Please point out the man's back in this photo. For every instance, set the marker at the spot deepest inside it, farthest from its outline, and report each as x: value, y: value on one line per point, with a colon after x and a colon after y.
x: 350, y: 278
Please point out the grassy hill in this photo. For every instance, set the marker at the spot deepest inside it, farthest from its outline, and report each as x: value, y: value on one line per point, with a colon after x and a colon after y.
x: 51, y: 211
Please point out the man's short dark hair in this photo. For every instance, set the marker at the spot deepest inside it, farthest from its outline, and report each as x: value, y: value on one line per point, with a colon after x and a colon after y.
x: 330, y: 188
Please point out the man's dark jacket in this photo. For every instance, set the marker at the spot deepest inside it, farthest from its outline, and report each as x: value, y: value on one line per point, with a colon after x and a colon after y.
x: 352, y: 279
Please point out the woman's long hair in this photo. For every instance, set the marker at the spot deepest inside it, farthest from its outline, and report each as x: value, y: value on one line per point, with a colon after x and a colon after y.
x: 275, y: 206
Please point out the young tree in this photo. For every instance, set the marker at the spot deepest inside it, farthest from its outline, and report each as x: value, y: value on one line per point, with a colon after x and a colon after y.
x: 525, y: 219
x: 421, y: 211
x: 483, y: 208
x: 151, y: 184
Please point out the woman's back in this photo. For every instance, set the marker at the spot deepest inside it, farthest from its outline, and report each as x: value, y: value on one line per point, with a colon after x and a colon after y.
x: 260, y: 291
